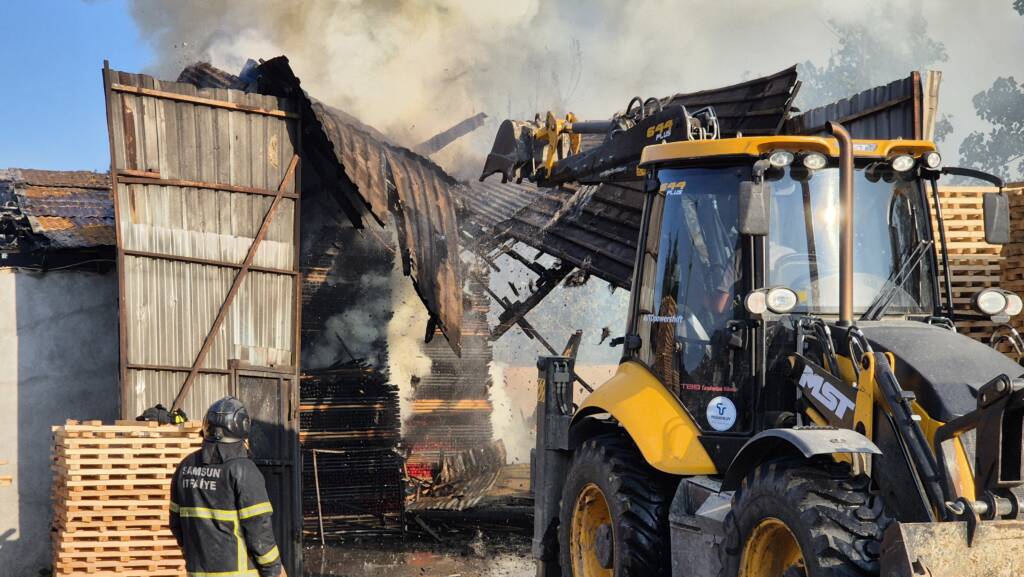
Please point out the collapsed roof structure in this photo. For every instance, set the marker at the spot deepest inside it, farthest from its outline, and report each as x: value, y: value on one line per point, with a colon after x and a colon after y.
x: 592, y: 229
x: 47, y: 215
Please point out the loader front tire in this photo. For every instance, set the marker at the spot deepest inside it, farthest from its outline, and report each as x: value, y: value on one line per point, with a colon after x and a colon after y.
x: 614, y: 512
x: 791, y: 518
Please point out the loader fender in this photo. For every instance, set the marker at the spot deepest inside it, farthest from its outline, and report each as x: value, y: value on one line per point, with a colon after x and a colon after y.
x: 653, y: 418
x: 805, y: 442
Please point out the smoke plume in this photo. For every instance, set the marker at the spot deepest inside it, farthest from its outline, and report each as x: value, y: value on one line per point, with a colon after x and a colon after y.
x: 510, y: 420
x: 412, y: 68
x: 406, y: 358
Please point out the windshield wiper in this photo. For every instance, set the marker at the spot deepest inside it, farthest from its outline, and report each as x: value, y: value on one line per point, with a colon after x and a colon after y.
x: 884, y: 297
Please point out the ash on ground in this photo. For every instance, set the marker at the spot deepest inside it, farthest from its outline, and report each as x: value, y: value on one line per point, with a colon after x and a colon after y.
x: 479, y: 554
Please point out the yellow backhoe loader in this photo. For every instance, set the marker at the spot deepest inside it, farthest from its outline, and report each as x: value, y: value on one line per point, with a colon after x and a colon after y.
x: 793, y: 398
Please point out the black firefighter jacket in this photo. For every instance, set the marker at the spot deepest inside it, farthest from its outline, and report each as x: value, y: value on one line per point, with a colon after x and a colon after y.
x: 221, y: 516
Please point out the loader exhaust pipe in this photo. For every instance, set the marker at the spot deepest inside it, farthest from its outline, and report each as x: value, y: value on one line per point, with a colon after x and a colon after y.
x: 845, y: 223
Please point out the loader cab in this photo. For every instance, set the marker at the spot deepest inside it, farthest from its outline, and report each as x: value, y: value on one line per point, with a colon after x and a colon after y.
x: 697, y: 265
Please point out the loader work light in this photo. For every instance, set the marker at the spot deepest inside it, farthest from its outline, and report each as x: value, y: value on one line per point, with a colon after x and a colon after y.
x: 990, y: 301
x: 932, y: 160
x: 902, y: 163
x: 780, y: 158
x: 779, y: 300
x: 1014, y: 305
x: 815, y: 161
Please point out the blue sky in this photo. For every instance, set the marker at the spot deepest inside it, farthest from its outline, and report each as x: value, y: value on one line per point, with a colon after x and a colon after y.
x: 51, y: 102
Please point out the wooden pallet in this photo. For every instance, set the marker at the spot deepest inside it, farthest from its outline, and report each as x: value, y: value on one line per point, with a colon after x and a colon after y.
x: 110, y: 495
x: 974, y: 264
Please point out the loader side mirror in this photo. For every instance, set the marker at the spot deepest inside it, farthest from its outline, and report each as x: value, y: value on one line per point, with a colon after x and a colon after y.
x: 996, y: 206
x: 755, y: 209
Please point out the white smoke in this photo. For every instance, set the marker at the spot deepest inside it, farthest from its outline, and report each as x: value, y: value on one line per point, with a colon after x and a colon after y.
x: 511, y: 424
x: 406, y: 358
x: 412, y: 68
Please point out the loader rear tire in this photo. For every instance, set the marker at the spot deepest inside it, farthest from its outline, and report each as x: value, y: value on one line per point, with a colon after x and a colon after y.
x: 614, y: 512
x: 794, y: 518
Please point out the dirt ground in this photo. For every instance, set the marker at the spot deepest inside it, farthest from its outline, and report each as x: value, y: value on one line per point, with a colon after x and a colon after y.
x: 488, y: 554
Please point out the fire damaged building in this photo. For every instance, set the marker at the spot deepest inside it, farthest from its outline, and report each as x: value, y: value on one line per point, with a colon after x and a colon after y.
x: 354, y: 429
x: 58, y: 335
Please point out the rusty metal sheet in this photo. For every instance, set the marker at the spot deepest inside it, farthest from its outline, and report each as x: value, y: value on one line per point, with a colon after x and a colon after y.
x: 391, y: 181
x: 755, y: 107
x: 66, y: 209
x: 594, y: 228
x: 194, y: 172
x: 598, y: 232
x: 891, y: 110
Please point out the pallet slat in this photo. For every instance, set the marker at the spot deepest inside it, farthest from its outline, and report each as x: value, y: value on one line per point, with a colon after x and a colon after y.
x: 110, y: 495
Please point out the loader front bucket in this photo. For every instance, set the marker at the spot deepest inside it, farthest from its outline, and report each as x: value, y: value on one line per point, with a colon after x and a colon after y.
x: 512, y: 151
x: 941, y: 550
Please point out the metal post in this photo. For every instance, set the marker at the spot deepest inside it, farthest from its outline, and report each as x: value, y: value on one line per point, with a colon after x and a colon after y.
x: 550, y: 458
x: 845, y: 223
x: 319, y: 511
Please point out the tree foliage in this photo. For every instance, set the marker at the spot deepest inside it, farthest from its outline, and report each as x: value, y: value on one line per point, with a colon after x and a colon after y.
x: 1018, y: 5
x: 869, y: 55
x: 1001, y: 149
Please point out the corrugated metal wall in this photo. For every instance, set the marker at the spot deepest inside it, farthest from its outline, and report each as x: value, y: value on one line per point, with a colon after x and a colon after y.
x: 892, y: 110
x: 194, y: 173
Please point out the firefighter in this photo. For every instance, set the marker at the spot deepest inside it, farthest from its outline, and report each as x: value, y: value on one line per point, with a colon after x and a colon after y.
x: 220, y: 513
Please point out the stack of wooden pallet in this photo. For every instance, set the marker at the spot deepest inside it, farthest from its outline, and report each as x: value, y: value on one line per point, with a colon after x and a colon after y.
x: 974, y: 264
x: 111, y: 492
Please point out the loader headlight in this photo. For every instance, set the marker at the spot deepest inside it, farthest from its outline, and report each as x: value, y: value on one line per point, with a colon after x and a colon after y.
x: 815, y: 161
x: 932, y: 160
x: 902, y: 163
x: 1014, y: 305
x: 990, y: 301
x: 778, y: 300
x: 781, y: 300
x: 780, y: 158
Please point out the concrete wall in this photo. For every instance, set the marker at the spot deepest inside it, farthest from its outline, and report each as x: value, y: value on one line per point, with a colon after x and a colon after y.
x: 58, y: 360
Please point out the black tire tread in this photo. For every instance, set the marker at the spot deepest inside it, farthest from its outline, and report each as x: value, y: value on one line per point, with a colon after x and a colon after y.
x: 843, y: 519
x: 641, y: 493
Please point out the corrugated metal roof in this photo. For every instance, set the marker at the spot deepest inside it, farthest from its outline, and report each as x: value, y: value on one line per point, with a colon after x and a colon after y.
x: 392, y: 181
x: 754, y: 107
x: 598, y: 231
x: 593, y: 227
x: 69, y: 209
x: 892, y: 110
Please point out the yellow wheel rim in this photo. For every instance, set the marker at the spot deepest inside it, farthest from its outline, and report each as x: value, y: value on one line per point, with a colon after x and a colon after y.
x: 590, y: 512
x: 770, y: 550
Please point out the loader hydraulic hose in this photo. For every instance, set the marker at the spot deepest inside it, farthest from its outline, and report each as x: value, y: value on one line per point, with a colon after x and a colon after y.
x: 845, y: 223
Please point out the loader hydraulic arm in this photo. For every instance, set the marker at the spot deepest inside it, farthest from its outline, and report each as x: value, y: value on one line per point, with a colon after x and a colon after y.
x: 551, y: 153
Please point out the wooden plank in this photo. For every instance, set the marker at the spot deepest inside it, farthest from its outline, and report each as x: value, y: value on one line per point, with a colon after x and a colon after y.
x: 207, y: 262
x: 142, y: 91
x: 138, y: 177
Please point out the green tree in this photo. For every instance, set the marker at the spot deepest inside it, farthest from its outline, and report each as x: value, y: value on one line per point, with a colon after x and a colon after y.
x: 1001, y: 149
x: 1018, y: 5
x: 870, y: 55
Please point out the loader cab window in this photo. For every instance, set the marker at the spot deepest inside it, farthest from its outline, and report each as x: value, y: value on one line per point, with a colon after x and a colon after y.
x: 890, y: 223
x: 689, y: 293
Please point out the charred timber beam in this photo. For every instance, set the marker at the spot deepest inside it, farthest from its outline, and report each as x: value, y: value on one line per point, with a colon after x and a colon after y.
x: 442, y: 139
x: 514, y: 312
x: 140, y: 91
x: 531, y: 332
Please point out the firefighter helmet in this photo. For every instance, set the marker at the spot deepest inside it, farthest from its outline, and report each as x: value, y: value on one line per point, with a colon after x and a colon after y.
x: 226, y: 421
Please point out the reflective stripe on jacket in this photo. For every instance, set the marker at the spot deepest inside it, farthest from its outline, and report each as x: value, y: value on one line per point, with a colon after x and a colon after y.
x: 221, y: 515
